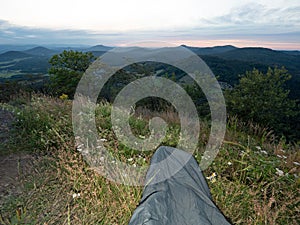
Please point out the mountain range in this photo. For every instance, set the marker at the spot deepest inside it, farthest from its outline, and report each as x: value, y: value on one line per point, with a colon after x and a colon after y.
x: 227, y: 62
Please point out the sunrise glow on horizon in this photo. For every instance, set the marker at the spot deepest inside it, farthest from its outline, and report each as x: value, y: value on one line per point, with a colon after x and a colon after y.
x: 242, y: 44
x: 213, y: 43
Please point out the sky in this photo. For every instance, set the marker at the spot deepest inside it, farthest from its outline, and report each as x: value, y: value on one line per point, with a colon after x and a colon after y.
x: 264, y: 23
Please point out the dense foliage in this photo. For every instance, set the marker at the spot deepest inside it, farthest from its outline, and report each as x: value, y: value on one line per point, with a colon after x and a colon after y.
x: 262, y: 98
x: 66, y: 71
x: 252, y: 180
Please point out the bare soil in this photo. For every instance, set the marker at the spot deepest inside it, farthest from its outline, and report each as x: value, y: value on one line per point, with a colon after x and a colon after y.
x: 12, y: 166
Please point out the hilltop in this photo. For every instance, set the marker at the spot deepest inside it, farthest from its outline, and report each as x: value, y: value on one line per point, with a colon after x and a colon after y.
x: 253, y: 180
x: 41, y: 51
x: 13, y: 56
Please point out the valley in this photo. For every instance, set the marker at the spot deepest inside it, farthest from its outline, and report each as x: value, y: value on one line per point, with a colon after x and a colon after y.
x: 19, y: 63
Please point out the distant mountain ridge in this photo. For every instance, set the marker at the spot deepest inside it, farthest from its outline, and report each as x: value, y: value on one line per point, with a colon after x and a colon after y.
x: 6, y: 48
x: 35, y: 59
x: 48, y: 49
x: 292, y: 52
x: 12, y: 55
x: 227, y: 62
x: 210, y: 50
x: 262, y: 55
x: 98, y: 48
x: 41, y: 51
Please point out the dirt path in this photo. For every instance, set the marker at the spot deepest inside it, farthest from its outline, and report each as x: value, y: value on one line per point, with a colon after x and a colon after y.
x: 12, y: 166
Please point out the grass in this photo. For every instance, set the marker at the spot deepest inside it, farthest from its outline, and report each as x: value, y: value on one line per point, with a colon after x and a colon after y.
x: 63, y: 189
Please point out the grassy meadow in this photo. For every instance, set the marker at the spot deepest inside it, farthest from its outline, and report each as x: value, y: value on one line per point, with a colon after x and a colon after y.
x: 253, y: 180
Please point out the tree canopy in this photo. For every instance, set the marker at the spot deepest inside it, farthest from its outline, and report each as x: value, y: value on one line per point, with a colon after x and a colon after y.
x: 263, y: 98
x: 66, y: 71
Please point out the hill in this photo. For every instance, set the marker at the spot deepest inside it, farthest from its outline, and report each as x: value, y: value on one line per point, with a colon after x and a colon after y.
x: 227, y: 62
x: 253, y: 180
x: 228, y: 70
x: 40, y: 51
x: 263, y: 55
x: 13, y: 55
x: 35, y: 60
x: 210, y: 50
x: 18, y: 62
x: 270, y: 58
x: 291, y: 52
x: 97, y: 53
x: 98, y: 48
x: 6, y: 48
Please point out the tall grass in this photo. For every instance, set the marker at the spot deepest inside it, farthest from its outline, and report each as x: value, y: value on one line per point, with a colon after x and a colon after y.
x: 63, y: 189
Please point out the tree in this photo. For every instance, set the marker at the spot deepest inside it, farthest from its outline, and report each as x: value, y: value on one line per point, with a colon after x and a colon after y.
x: 263, y: 99
x: 66, y: 71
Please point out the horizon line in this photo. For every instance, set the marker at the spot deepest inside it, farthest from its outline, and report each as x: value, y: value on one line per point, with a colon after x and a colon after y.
x: 197, y: 44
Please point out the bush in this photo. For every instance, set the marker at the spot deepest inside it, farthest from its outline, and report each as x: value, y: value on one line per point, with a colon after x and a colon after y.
x: 66, y: 71
x: 262, y: 98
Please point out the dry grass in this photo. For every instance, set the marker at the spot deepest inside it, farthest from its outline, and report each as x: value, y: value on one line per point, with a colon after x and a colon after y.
x: 247, y: 188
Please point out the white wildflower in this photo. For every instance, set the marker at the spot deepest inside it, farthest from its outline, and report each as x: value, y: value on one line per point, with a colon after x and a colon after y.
x: 103, y: 139
x: 296, y: 163
x: 79, y: 146
x: 134, y: 165
x: 229, y: 163
x: 264, y: 152
x: 279, y: 172
x: 212, y: 178
x: 76, y: 195
x: 258, y: 147
x: 130, y: 159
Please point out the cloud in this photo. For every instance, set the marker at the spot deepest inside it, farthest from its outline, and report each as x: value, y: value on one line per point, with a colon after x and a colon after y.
x: 260, y: 17
x: 255, y: 23
x: 12, y: 34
